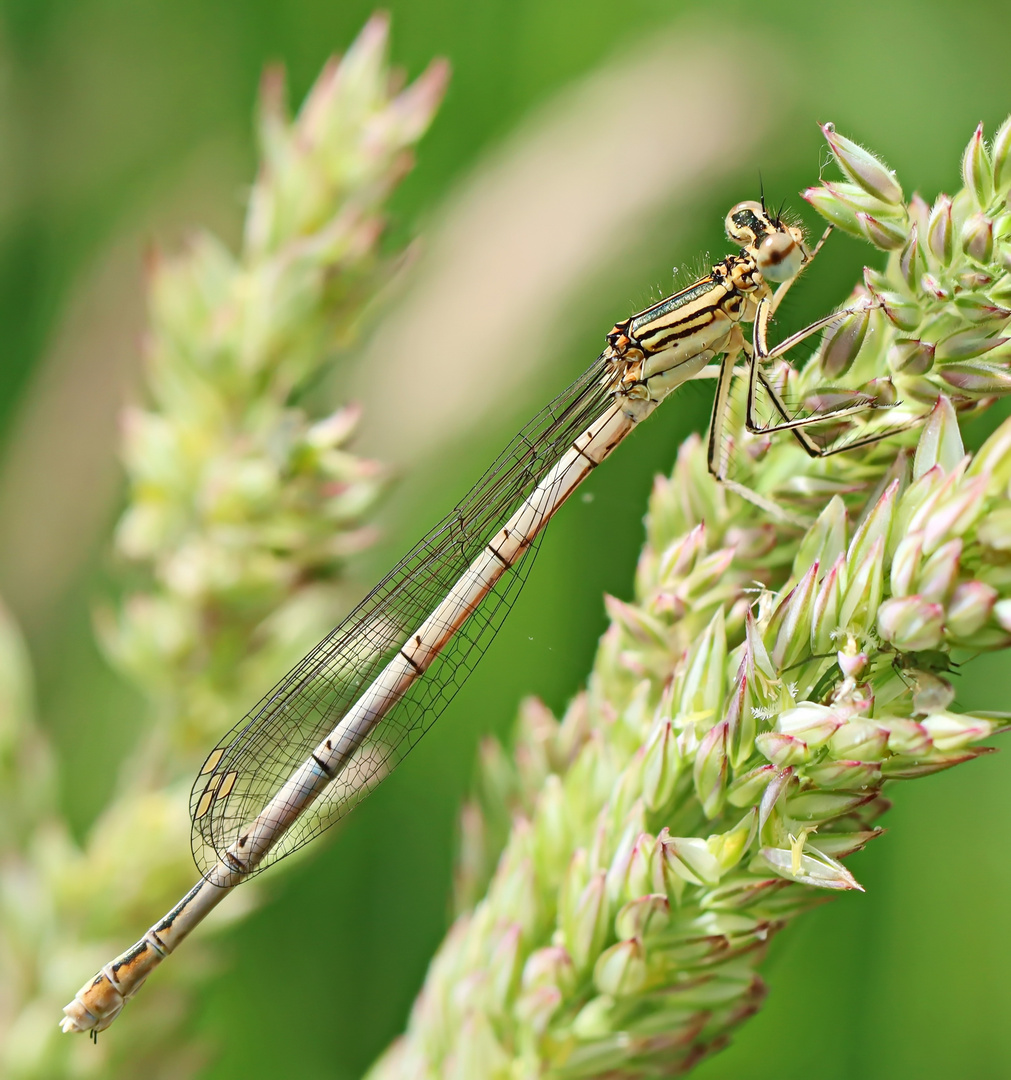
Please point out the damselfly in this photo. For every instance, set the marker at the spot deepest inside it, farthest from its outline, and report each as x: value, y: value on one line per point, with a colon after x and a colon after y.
x: 329, y: 732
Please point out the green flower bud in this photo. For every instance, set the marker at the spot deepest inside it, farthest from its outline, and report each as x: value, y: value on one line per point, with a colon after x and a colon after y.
x: 949, y: 731
x: 621, y: 970
x: 551, y: 966
x: 1001, y: 152
x: 842, y: 343
x: 859, y: 740
x: 862, y: 167
x: 824, y: 805
x: 782, y: 750
x: 790, y: 626
x: 906, y: 564
x: 940, y: 442
x: 910, y: 356
x: 886, y: 235
x: 813, y: 723
x: 906, y: 737
x: 911, y: 623
x: 586, y: 925
x: 661, y: 766
x: 710, y: 770
x: 939, y: 573
x: 911, y: 262
x: 977, y: 238
x: 901, y: 311
x: 970, y: 607
x: 906, y: 768
x: 836, y: 211
x: 844, y: 774
x: 977, y: 377
x: 643, y: 916
x: 940, y: 230
x: 977, y: 173
x: 747, y: 789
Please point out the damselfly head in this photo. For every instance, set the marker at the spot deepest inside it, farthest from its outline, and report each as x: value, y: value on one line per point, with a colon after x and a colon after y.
x: 778, y: 248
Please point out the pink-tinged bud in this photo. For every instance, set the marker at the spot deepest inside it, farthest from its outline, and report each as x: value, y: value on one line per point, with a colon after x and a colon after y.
x: 970, y: 279
x: 825, y: 617
x: 933, y: 287
x: 640, y: 872
x: 813, y: 723
x: 1001, y: 154
x: 977, y: 173
x: 1000, y: 293
x: 940, y: 441
x: 741, y: 721
x: 790, y: 625
x: 966, y: 343
x: 504, y: 968
x: 939, y: 230
x: 585, y: 928
x: 536, y: 1008
x: 902, y: 311
x: 710, y: 771
x: 842, y: 343
x: 621, y: 970
x: 863, y: 593
x: 977, y: 237
x: 906, y: 564
x: 910, y: 356
x: 885, y: 235
x: 979, y: 378
x: 824, y: 805
x: 840, y: 845
x: 782, y: 750
x: 825, y: 540
x: 660, y: 767
x: 852, y: 775
x: 746, y: 790
x: 862, y: 167
x: 643, y: 916
x: 911, y: 262
x: 837, y: 212
x: 911, y: 768
x: 994, y: 532
x: 777, y: 790
x: 551, y: 966
x: 979, y: 309
x: 971, y: 605
x: 859, y: 740
x: 950, y: 731
x: 911, y: 623
x: 940, y: 572
x: 906, y: 737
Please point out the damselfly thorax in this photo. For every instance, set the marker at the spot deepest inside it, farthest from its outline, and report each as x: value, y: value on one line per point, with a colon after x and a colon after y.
x: 656, y: 350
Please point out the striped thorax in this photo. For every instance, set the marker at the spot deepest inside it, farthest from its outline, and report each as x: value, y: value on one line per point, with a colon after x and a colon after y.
x: 656, y: 350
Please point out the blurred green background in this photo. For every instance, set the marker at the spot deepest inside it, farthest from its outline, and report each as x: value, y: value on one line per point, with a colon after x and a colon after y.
x: 119, y: 122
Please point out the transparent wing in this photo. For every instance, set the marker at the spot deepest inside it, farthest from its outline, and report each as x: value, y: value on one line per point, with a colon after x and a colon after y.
x: 258, y: 755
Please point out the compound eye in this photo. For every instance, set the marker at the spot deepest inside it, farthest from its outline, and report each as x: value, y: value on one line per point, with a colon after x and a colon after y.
x: 745, y: 223
x: 779, y: 257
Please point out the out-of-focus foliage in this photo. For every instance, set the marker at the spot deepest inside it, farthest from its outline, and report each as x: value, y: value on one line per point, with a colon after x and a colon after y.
x: 242, y: 507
